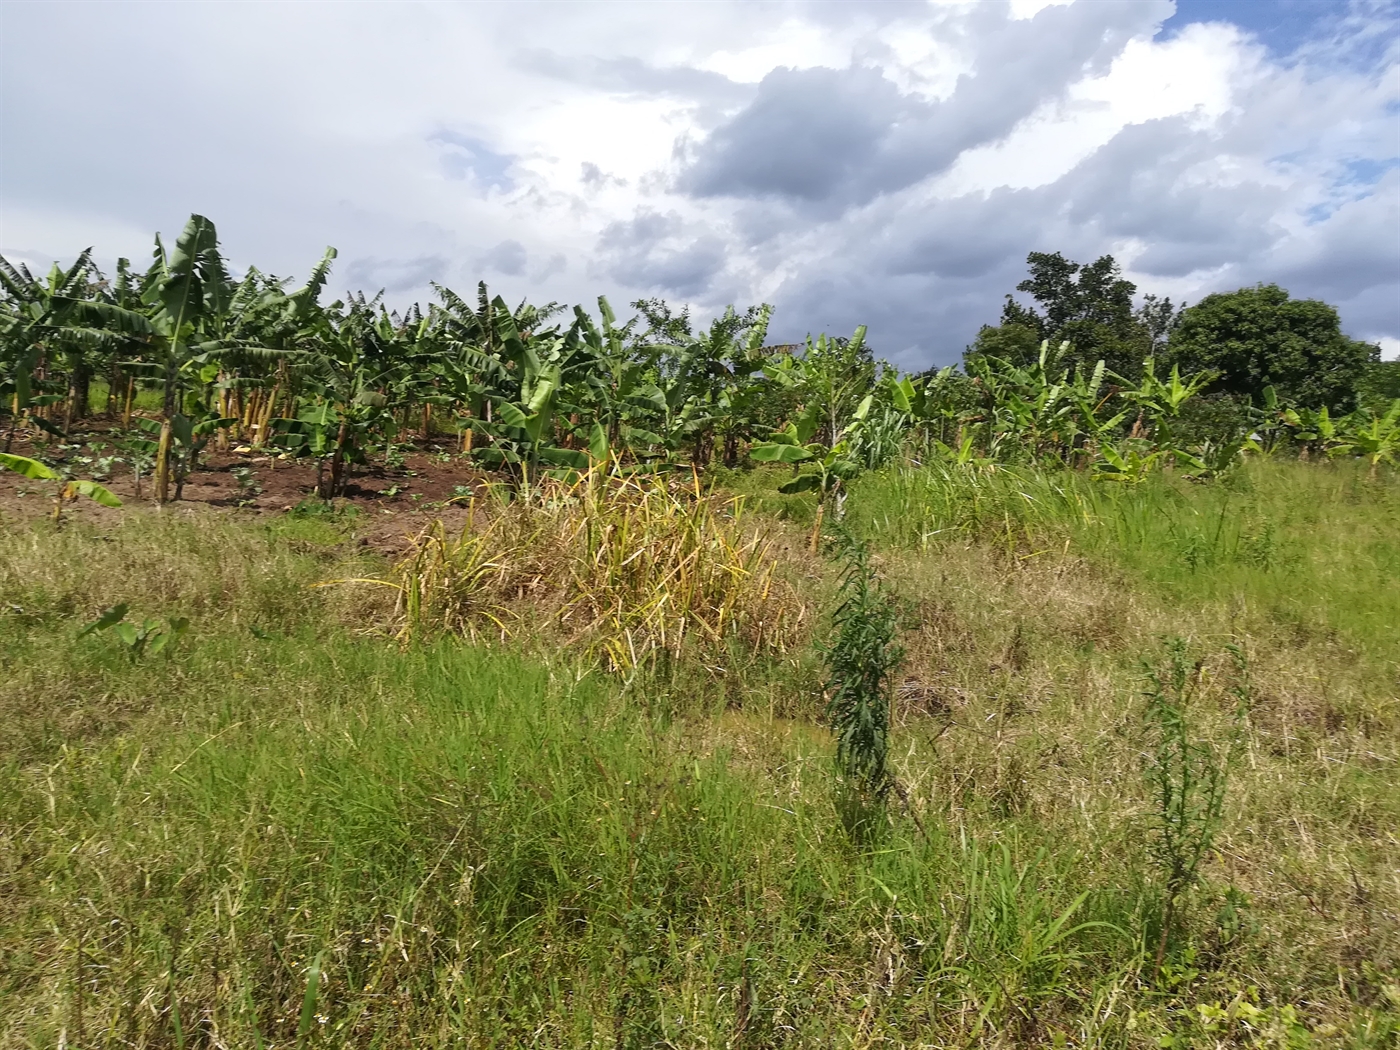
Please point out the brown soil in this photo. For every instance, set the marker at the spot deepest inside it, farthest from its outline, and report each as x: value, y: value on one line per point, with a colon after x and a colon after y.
x: 395, y: 502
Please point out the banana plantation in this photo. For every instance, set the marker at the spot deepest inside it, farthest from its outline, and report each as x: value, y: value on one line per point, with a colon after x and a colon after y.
x: 707, y: 690
x: 183, y: 356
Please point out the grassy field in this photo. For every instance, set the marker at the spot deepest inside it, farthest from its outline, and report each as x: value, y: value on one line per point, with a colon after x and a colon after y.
x: 290, y: 830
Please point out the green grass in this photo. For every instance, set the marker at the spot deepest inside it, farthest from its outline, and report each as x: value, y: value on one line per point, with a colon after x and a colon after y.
x: 293, y: 831
x: 1314, y: 546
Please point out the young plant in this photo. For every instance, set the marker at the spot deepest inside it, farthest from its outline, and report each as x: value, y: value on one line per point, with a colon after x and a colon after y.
x: 179, y: 440
x: 72, y: 489
x: 248, y: 487
x: 862, y: 660
x: 149, y: 638
x: 1187, y: 772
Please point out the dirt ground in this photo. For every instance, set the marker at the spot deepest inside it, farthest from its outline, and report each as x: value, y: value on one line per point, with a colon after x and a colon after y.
x: 395, y: 502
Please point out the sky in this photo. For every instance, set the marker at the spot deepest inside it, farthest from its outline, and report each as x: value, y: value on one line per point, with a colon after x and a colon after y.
x: 880, y: 163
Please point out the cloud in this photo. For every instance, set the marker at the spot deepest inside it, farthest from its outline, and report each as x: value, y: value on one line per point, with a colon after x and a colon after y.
x: 880, y: 163
x: 508, y: 258
x: 847, y: 135
x: 658, y: 253
x: 394, y: 275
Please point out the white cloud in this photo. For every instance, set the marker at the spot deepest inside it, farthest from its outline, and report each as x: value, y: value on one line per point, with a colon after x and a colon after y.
x: 439, y: 141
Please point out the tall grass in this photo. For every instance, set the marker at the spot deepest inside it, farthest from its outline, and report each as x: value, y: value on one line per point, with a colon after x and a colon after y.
x: 1314, y: 546
x: 461, y: 848
x: 626, y: 568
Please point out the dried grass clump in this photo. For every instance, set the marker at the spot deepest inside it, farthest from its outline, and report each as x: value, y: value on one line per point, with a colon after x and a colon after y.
x: 629, y: 568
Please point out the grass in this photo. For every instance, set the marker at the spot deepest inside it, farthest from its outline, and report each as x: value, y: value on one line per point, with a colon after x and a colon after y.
x: 1312, y: 546
x: 296, y: 832
x: 631, y: 569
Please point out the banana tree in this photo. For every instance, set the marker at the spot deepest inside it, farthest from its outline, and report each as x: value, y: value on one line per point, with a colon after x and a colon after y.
x: 1377, y: 439
x: 835, y: 463
x: 178, y: 441
x: 1160, y: 402
x: 829, y: 380
x: 182, y: 292
x: 612, y: 385
x: 355, y: 359
x: 1315, y: 429
x: 1211, y: 459
x: 1130, y: 466
x: 36, y: 325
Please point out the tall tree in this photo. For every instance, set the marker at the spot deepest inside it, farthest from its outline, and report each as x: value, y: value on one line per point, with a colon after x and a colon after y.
x: 1090, y: 306
x: 1258, y: 337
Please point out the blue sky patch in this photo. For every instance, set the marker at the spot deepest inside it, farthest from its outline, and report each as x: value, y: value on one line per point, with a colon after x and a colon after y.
x: 466, y: 157
x: 1280, y: 25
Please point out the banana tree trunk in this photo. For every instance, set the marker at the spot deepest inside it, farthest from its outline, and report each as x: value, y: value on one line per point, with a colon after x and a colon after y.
x: 337, y: 462
x: 163, y: 464
x: 172, y: 376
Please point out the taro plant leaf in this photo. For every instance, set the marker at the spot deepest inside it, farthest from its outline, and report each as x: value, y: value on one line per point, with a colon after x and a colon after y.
x: 157, y: 641
x: 110, y: 617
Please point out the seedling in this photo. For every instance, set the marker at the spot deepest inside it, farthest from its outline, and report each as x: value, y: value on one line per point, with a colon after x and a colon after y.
x: 248, y: 487
x: 146, y: 639
x: 72, y: 489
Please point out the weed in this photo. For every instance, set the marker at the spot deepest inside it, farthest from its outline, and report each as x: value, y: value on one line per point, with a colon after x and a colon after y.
x: 862, y: 661
x: 1188, y: 773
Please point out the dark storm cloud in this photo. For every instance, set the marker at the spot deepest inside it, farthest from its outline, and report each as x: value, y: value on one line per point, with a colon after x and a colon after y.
x: 835, y: 138
x: 657, y: 252
x: 925, y: 275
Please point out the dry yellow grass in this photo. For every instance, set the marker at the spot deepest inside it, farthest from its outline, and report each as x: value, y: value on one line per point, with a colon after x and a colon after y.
x: 626, y: 568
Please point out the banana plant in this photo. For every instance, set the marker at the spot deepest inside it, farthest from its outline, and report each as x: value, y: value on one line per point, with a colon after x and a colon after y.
x: 178, y: 442
x: 1377, y: 439
x: 1211, y: 460
x: 1315, y: 429
x: 37, y: 324
x: 1128, y: 467
x: 614, y: 389
x: 1160, y: 402
x: 72, y: 487
x: 835, y: 463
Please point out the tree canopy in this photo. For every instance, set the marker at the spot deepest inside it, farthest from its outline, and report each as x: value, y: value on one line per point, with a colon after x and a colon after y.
x: 1258, y: 337
x: 1088, y: 305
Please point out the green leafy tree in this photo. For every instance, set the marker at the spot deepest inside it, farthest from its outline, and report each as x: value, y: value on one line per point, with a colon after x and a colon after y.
x: 1258, y: 337
x: 1379, y: 385
x: 1088, y: 305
